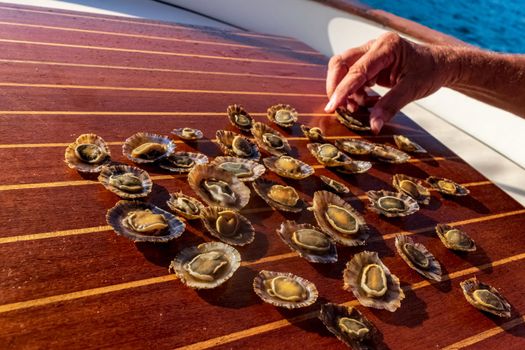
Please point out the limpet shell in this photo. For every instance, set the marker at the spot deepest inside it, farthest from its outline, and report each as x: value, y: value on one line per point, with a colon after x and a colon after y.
x: 291, y: 233
x: 244, y: 169
x: 334, y: 185
x: 447, y: 186
x: 183, y: 162
x: 239, y: 117
x: 328, y: 155
x: 324, y: 203
x: 362, y: 332
x: 354, y: 146
x: 391, y: 204
x: 351, y: 120
x: 228, y: 258
x: 263, y: 187
x: 355, y: 167
x: 313, y: 134
x: 282, y: 115
x: 390, y: 295
x: 411, y: 187
x: 88, y: 154
x: 265, y: 135
x: 235, y: 145
x: 485, y: 297
x: 142, y: 140
x: 215, y: 221
x: 119, y: 214
x: 188, y: 134
x: 417, y: 256
x: 201, y: 173
x: 407, y: 145
x: 455, y: 239
x: 114, y: 179
x: 289, y: 167
x: 266, y: 283
x: 389, y: 154
x: 186, y: 206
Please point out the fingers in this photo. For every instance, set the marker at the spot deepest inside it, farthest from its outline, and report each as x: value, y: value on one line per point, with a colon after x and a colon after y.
x: 338, y: 66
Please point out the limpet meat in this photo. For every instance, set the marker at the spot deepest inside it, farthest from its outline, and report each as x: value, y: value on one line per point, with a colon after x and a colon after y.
x: 313, y: 134
x: 418, y: 257
x: 227, y: 225
x: 282, y: 115
x: 236, y: 145
x: 277, y: 196
x: 270, y: 139
x: 147, y: 148
x: 485, y: 297
x: 354, y: 146
x: 391, y: 204
x: 188, y: 134
x: 407, y: 145
x: 239, y: 117
x: 389, y: 154
x: 355, y: 167
x: 334, y: 185
x: 412, y: 187
x: 447, y: 186
x: 244, y: 169
x: 288, y: 167
x: 284, y: 289
x: 308, y: 241
x: 353, y: 121
x: 185, y: 206
x: 88, y: 154
x: 454, y: 238
x: 126, y: 181
x: 183, y: 162
x: 328, y: 155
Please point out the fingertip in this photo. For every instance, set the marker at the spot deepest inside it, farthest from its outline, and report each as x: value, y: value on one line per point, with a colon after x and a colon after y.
x: 330, y: 106
x: 376, y: 123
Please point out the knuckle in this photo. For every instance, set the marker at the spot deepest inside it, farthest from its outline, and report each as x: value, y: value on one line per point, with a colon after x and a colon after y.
x: 335, y: 61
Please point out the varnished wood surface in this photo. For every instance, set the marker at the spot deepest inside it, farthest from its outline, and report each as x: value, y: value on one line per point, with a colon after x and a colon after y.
x: 67, y: 281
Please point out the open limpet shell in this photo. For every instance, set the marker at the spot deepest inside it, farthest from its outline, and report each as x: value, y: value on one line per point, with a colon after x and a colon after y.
x: 235, y: 145
x: 313, y: 134
x: 277, y: 196
x: 218, y: 187
x: 407, y: 145
x: 349, y: 326
x: 284, y: 289
x: 308, y: 241
x: 126, y: 181
x: 412, y: 187
x: 239, y: 117
x: 188, y: 134
x: 485, y: 297
x: 334, y: 185
x: 227, y: 225
x: 447, y: 186
x: 328, y: 155
x: 352, y: 120
x: 270, y: 140
x: 244, y: 169
x: 338, y: 219
x: 372, y: 283
x: 147, y: 148
x: 88, y: 154
x: 185, y: 206
x: 354, y: 146
x: 282, y: 115
x: 355, y: 167
x: 391, y: 204
x: 389, y: 154
x: 417, y: 256
x: 454, y: 238
x: 289, y: 167
x: 207, y: 265
x: 182, y: 162
x: 144, y: 222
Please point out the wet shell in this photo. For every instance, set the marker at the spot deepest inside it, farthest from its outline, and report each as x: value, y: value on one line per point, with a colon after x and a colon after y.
x: 354, y: 146
x: 237, y: 193
x: 407, y: 145
x: 282, y: 115
x: 88, y: 154
x: 391, y: 204
x: 185, y: 206
x: 270, y: 140
x: 121, y: 217
x: 358, y: 332
x: 222, y: 262
x: 188, y: 134
x: 485, y: 297
x: 288, y: 201
x: 334, y: 185
x: 308, y: 241
x: 289, y: 167
x: 235, y: 145
x: 418, y: 257
x: 355, y: 167
x: 244, y: 169
x: 126, y: 181
x: 455, y: 239
x: 351, y: 120
x: 239, y: 117
x: 387, y: 295
x: 412, y: 187
x: 283, y: 289
x: 314, y: 134
x: 328, y: 155
x: 147, y: 148
x: 328, y: 208
x: 389, y: 154
x: 447, y: 186
x: 227, y: 225
x: 183, y: 162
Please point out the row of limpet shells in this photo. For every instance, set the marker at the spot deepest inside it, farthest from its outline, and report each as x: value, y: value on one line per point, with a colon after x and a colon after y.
x: 283, y: 115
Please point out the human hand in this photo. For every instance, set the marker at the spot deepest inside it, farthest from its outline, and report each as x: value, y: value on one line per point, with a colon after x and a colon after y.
x: 412, y: 71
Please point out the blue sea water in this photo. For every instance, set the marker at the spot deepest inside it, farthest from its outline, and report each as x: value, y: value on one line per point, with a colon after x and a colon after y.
x: 491, y: 24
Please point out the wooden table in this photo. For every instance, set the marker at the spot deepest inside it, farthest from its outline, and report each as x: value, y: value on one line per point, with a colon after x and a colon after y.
x: 67, y: 281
